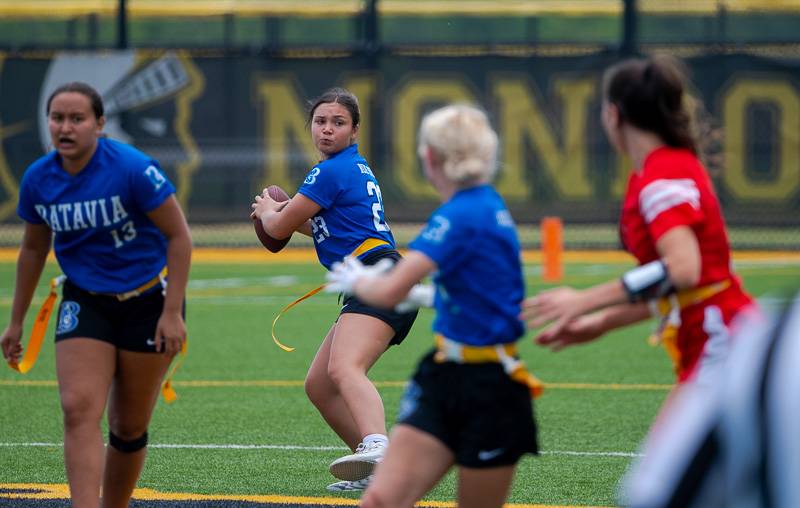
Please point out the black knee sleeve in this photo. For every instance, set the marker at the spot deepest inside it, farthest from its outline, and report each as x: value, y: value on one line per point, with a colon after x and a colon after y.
x: 134, y: 445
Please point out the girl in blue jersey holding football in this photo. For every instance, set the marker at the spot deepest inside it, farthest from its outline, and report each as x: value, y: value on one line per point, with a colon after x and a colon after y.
x: 340, y: 206
x: 469, y: 402
x: 118, y: 230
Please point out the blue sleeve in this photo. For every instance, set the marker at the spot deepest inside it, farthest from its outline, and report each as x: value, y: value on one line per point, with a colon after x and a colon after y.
x: 445, y: 240
x: 25, y: 206
x: 322, y: 185
x: 150, y: 187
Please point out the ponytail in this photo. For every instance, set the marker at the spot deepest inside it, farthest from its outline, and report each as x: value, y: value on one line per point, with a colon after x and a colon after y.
x: 650, y: 95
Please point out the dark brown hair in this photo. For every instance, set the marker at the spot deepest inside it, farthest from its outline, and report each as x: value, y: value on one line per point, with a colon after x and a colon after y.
x: 83, y: 89
x: 338, y: 95
x: 649, y: 94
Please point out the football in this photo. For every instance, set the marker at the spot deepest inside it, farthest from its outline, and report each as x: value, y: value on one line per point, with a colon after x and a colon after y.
x: 272, y: 244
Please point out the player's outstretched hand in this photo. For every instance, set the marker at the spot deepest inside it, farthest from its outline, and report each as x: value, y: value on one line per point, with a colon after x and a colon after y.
x: 421, y: 295
x: 552, y: 305
x: 577, y: 331
x: 343, y: 276
x: 557, y: 306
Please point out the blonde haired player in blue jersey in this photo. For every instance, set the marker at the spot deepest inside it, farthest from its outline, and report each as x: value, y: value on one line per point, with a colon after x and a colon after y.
x: 469, y: 403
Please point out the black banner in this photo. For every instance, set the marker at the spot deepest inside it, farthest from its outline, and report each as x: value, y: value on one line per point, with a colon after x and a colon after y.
x: 225, y: 127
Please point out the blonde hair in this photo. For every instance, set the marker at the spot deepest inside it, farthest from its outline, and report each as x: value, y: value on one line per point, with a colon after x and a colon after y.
x: 462, y: 137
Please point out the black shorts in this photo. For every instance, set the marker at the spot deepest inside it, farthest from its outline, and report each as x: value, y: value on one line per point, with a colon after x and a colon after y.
x: 128, y: 325
x: 476, y: 410
x: 399, y: 321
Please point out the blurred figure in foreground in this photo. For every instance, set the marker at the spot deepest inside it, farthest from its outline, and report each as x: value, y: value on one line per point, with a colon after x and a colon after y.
x: 739, y: 445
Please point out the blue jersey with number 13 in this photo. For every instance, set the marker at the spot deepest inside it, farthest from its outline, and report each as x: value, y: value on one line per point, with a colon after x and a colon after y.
x: 104, y: 240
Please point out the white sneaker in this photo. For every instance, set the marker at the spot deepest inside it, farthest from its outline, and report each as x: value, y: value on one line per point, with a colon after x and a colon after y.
x: 348, y: 486
x: 360, y: 464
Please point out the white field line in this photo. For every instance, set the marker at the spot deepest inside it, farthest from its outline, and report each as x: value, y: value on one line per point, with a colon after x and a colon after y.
x: 324, y: 301
x: 240, y: 282
x: 255, y: 300
x: 300, y: 448
x: 601, y: 268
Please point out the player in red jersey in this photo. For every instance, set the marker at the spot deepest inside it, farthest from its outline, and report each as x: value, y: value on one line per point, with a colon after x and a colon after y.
x: 671, y: 222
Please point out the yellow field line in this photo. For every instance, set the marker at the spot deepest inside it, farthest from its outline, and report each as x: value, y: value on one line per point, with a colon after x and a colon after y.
x: 328, y: 8
x: 178, y: 8
x: 578, y: 8
x: 307, y: 255
x: 61, y: 491
x: 381, y: 384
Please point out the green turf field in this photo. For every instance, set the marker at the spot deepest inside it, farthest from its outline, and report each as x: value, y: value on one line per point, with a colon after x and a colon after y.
x: 242, y: 424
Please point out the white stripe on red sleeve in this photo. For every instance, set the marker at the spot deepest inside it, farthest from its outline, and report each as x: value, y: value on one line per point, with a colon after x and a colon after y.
x: 661, y: 195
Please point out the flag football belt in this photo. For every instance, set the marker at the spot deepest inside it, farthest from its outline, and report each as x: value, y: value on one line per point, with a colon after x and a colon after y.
x: 668, y: 308
x: 167, y: 391
x: 150, y: 284
x: 43, y: 317
x: 365, y: 246
x: 448, y: 350
x: 39, y: 328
